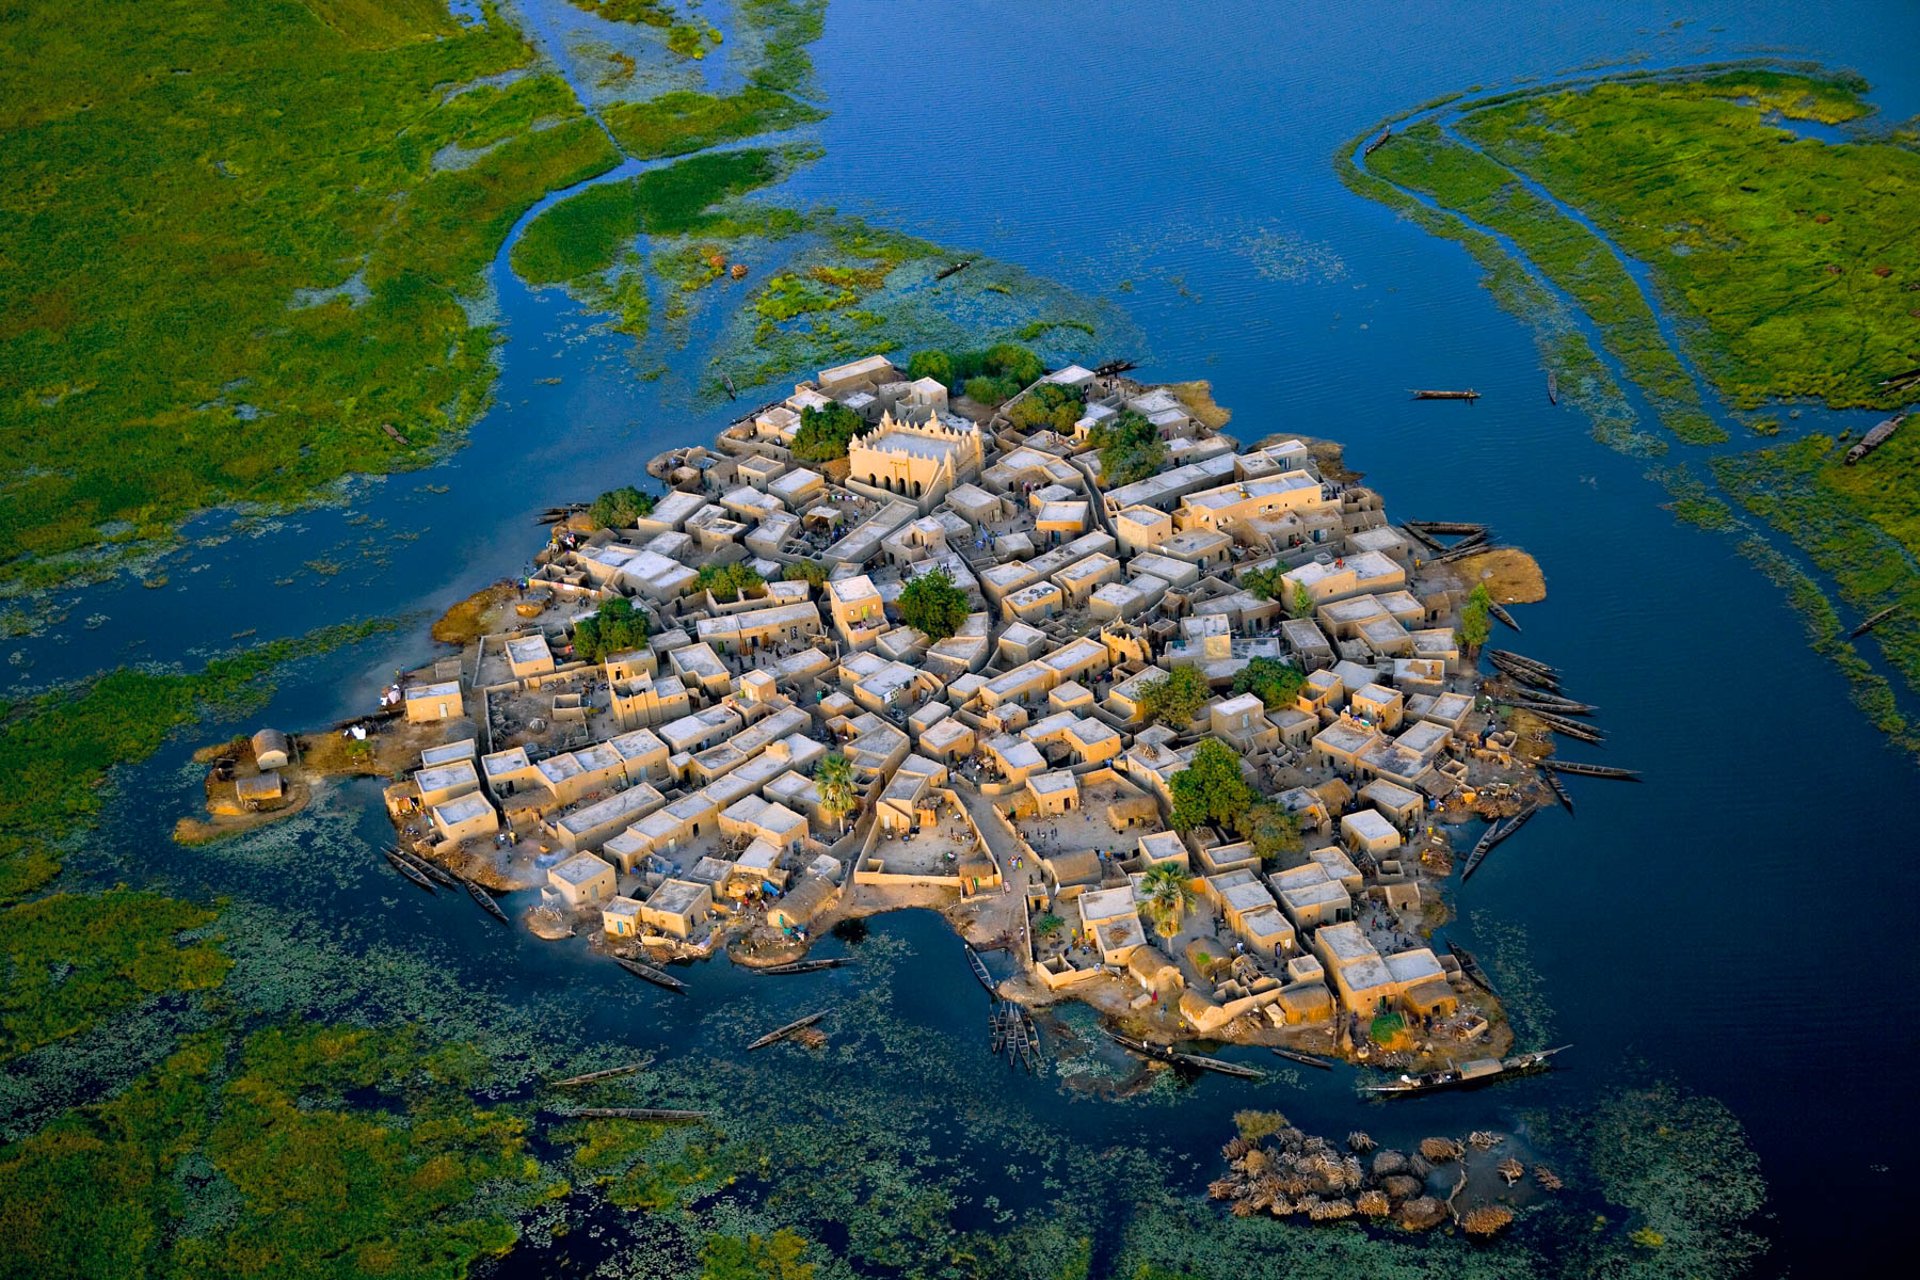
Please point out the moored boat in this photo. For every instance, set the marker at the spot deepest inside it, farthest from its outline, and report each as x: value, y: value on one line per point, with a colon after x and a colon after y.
x: 486, y: 901
x: 1467, y: 1075
x: 806, y: 966
x: 658, y: 977
x: 407, y: 869
x: 1304, y: 1059
x: 979, y: 967
x: 1470, y: 965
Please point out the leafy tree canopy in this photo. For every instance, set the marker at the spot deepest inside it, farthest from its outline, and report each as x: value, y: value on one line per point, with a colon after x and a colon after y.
x: 825, y: 433
x: 1274, y: 679
x: 1175, y: 698
x: 1268, y: 583
x: 620, y: 508
x: 932, y: 603
x: 1270, y: 829
x: 991, y: 377
x: 1210, y: 789
x: 1302, y: 606
x: 1049, y: 406
x: 616, y: 628
x: 728, y: 582
x: 1130, y: 448
x: 1476, y: 623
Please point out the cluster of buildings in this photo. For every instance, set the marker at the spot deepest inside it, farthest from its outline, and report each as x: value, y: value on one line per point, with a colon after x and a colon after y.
x: 667, y: 792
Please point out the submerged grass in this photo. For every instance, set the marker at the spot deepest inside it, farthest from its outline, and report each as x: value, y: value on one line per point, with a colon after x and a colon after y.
x: 685, y: 121
x: 1790, y: 259
x: 1424, y: 159
x: 159, y: 358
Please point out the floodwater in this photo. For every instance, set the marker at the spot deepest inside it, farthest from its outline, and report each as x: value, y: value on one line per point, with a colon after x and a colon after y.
x: 1738, y: 923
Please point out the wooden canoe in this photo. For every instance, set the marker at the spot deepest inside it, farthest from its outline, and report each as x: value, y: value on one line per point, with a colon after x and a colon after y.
x: 1470, y: 966
x: 806, y: 966
x: 979, y: 967
x: 781, y: 1033
x: 486, y: 901
x: 1304, y: 1059
x: 657, y: 1114
x: 658, y: 977
x: 408, y: 870
x: 1582, y: 770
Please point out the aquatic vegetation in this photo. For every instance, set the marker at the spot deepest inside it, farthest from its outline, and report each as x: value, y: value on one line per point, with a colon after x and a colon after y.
x: 1425, y: 159
x: 1860, y: 526
x: 57, y: 748
x: 277, y: 1172
x: 586, y: 233
x: 1680, y: 1163
x: 773, y: 36
x: 213, y: 385
x: 1789, y: 258
x: 1584, y: 379
x: 75, y: 959
x: 1784, y: 264
x: 684, y: 121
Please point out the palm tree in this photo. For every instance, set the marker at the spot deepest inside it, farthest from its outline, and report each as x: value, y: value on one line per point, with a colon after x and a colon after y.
x: 835, y: 776
x: 1166, y: 895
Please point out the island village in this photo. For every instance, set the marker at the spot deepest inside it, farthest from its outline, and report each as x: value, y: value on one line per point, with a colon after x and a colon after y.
x: 1185, y: 747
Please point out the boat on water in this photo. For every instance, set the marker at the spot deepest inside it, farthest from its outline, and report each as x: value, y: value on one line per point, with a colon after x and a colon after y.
x: 979, y: 967
x: 408, y: 870
x: 1493, y: 836
x: 1386, y: 136
x: 806, y: 966
x: 1873, y: 622
x: 1559, y: 790
x: 486, y: 901
x: 1467, y: 1075
x: 778, y: 1034
x: 1877, y: 436
x: 437, y: 873
x: 1304, y: 1059
x: 1468, y: 395
x: 1553, y: 387
x: 1470, y: 965
x: 1581, y: 769
x: 1499, y: 611
x: 953, y: 270
x: 1198, y: 1061
x: 658, y: 977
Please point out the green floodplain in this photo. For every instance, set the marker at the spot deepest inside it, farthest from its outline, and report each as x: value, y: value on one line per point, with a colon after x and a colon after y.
x: 225, y: 1086
x: 350, y: 169
x: 1685, y: 228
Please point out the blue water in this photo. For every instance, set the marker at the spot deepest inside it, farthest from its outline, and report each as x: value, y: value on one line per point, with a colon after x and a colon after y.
x: 1740, y: 922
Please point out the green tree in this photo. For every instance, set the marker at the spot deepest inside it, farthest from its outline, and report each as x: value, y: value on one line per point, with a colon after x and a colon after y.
x: 728, y: 582
x: 807, y: 571
x: 1210, y: 789
x: 1270, y: 829
x: 1130, y: 448
x: 834, y: 777
x: 780, y: 1256
x: 1166, y: 895
x: 825, y: 432
x: 932, y: 603
x: 1302, y: 601
x: 1049, y: 406
x: 1476, y: 621
x: 1175, y: 698
x: 1266, y: 583
x: 620, y: 508
x: 934, y: 364
x: 1274, y: 679
x: 615, y: 628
